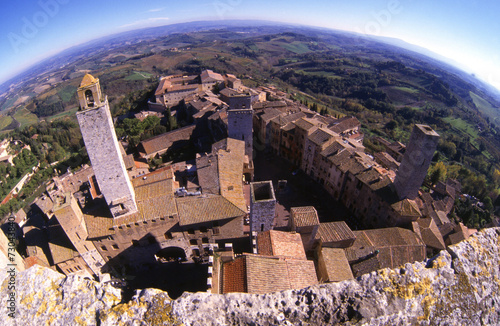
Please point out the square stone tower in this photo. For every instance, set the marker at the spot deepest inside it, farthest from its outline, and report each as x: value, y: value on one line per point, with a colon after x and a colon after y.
x: 262, y: 206
x: 102, y: 146
x: 240, y: 115
x: 416, y: 161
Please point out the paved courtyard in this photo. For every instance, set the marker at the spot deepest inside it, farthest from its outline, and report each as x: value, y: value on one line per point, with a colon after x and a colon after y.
x: 300, y: 190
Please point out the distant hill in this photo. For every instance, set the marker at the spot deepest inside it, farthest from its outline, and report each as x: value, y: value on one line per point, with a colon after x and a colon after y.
x: 330, y: 65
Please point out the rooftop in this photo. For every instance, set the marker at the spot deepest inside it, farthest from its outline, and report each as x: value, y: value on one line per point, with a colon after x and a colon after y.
x: 333, y: 232
x: 336, y: 264
x: 304, y: 216
x: 166, y: 140
x: 268, y: 274
x: 396, y: 246
x: 206, y: 208
x: 279, y: 243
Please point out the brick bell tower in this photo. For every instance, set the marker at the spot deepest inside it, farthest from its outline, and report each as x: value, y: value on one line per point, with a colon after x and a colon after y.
x: 102, y: 146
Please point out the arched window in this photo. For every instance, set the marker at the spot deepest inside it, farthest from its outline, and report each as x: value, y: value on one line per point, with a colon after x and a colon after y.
x: 89, y: 97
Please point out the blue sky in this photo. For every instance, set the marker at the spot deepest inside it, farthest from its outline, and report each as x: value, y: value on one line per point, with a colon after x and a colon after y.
x: 468, y: 32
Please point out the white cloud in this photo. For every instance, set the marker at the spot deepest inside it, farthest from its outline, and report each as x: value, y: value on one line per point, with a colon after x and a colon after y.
x: 156, y: 9
x: 146, y: 22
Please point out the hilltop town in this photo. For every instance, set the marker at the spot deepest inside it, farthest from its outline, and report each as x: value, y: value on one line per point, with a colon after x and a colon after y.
x: 217, y: 211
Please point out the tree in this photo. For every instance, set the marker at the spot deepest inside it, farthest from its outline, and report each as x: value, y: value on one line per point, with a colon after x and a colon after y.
x: 488, y: 204
x: 437, y: 173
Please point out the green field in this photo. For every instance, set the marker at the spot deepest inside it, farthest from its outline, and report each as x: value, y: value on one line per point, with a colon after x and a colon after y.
x: 406, y: 89
x: 70, y: 113
x: 67, y: 93
x: 5, y: 121
x: 485, y: 107
x: 296, y: 47
x: 9, y: 102
x: 138, y: 75
x: 464, y: 127
x: 25, y: 117
x: 320, y: 73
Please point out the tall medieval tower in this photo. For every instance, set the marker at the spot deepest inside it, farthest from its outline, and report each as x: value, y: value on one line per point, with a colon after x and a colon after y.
x: 240, y: 115
x: 102, y: 146
x: 416, y: 161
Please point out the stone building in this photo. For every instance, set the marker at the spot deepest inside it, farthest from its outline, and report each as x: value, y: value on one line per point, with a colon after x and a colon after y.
x: 71, y: 219
x: 240, y: 118
x: 416, y: 161
x: 262, y: 206
x: 102, y: 146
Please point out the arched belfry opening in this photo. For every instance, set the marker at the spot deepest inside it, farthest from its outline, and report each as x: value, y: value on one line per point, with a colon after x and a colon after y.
x: 89, y: 97
x: 89, y: 93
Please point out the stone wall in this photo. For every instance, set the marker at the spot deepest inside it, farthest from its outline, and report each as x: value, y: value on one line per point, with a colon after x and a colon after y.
x: 457, y: 287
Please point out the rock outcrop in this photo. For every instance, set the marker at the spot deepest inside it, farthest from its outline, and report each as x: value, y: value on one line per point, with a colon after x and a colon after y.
x: 458, y: 287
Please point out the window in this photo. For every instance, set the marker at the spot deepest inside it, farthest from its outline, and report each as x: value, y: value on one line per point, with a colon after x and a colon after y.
x: 110, y: 237
x: 193, y: 242
x: 204, y: 240
x: 104, y: 248
x: 109, y: 258
x: 203, y: 229
x: 262, y: 228
x: 230, y: 188
x: 115, y: 246
x: 78, y: 235
x: 191, y: 231
x: 168, y: 235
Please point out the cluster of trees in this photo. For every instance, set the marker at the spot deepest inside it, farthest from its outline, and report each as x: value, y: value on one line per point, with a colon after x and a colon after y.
x: 135, y: 130
x: 59, y: 141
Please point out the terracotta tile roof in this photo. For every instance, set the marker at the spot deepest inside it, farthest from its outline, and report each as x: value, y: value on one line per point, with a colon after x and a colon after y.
x: 155, y: 176
x: 234, y: 276
x: 336, y: 263
x: 207, y: 169
x: 304, y: 123
x: 429, y: 233
x: 334, y: 232
x: 210, y: 76
x: 279, y: 243
x: 269, y: 114
x: 301, y: 273
x: 366, y: 266
x: 321, y: 136
x: 345, y: 124
x: 194, y: 210
x: 282, y: 120
x: 266, y: 274
x: 374, y: 179
x: 272, y: 274
x: 60, y: 246
x: 407, y: 207
x: 231, y: 155
x: 99, y: 222
x: 34, y: 260
x: 154, y: 197
x: 129, y: 161
x: 304, y: 216
x: 396, y: 246
x: 164, y: 141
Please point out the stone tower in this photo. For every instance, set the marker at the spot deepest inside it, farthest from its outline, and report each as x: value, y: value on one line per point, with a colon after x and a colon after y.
x: 416, y: 161
x: 102, y: 146
x: 262, y: 206
x: 240, y: 115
